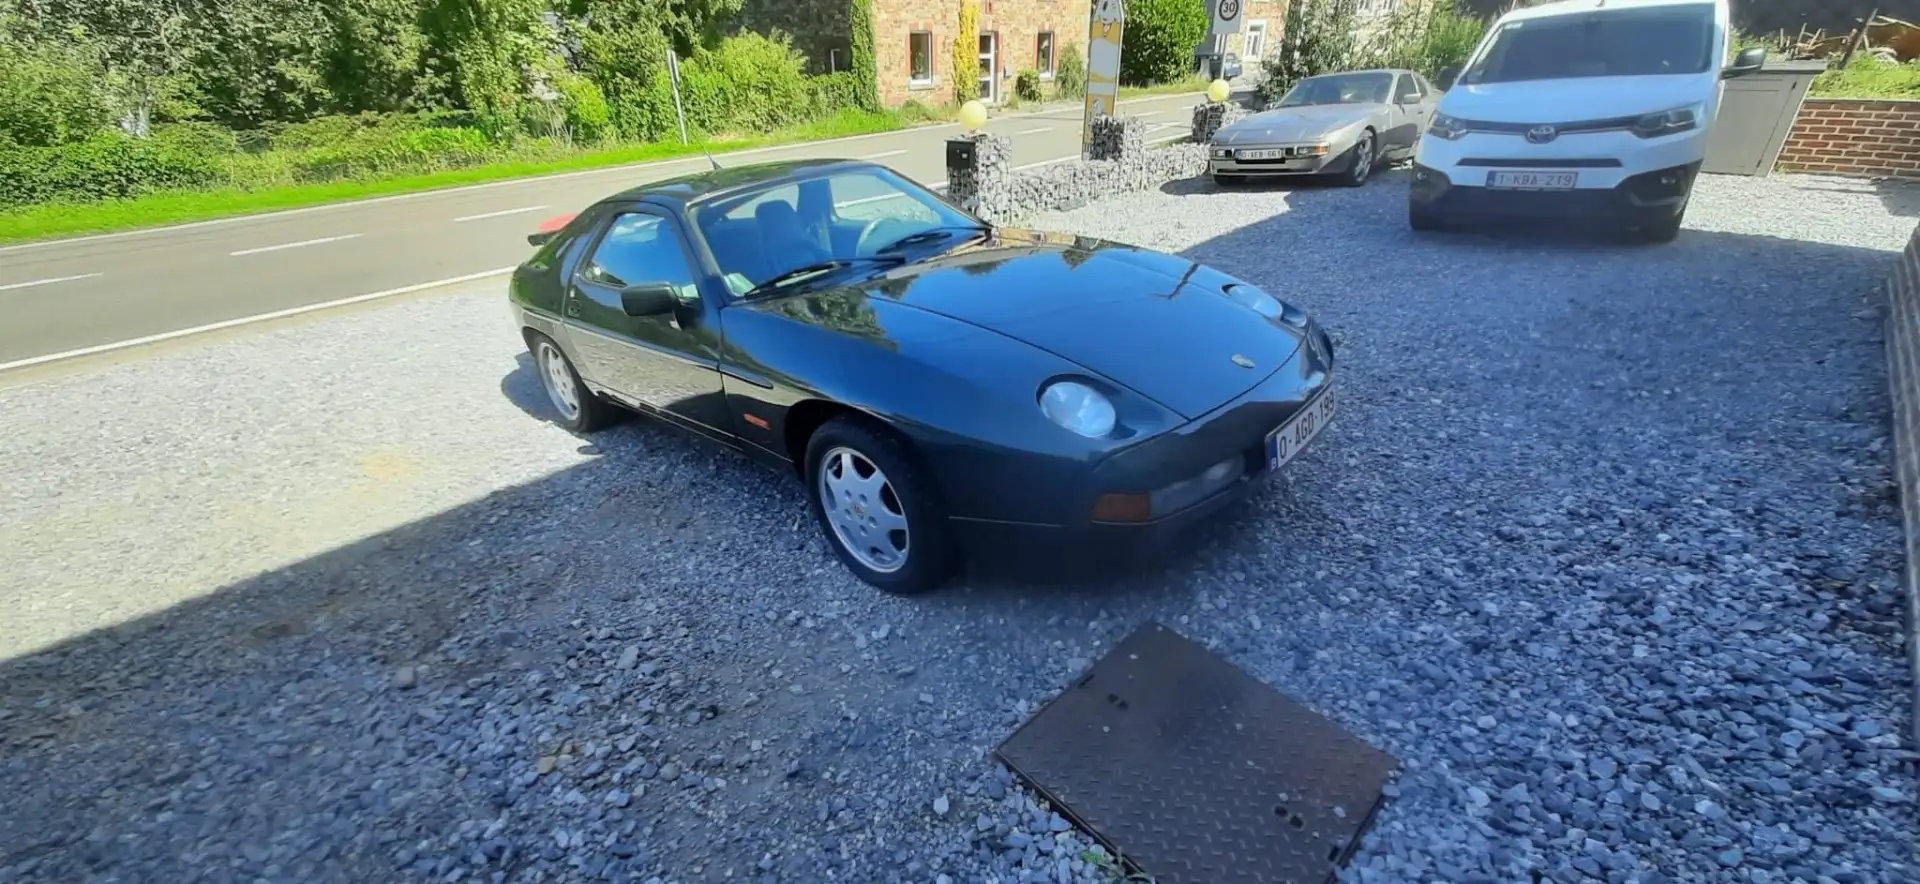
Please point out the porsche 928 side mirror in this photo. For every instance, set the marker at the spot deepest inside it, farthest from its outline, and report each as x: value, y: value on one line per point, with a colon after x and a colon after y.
x: 1749, y: 60
x: 648, y: 299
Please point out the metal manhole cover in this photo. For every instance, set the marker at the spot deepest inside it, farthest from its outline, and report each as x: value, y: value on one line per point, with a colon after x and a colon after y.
x: 1196, y: 771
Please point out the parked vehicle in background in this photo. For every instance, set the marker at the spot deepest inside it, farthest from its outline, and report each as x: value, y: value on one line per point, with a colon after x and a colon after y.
x: 1345, y: 124
x: 1582, y: 109
x: 942, y: 387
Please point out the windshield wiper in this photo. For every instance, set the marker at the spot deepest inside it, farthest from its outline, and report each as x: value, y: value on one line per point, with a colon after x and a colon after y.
x: 931, y: 234
x: 818, y: 267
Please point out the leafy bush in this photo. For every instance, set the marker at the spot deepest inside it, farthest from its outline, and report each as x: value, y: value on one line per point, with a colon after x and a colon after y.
x: 1425, y: 38
x: 403, y: 153
x: 1869, y: 76
x: 836, y: 91
x: 865, y: 71
x: 107, y: 166
x: 588, y: 116
x: 1026, y: 85
x: 1070, y: 73
x: 915, y: 112
x: 50, y: 93
x: 1157, y: 45
x: 750, y: 83
x: 966, y: 53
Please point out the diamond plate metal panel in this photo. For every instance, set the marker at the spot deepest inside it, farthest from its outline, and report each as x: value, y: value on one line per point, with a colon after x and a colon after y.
x: 1196, y: 771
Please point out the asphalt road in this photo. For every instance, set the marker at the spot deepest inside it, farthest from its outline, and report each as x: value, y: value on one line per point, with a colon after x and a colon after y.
x: 95, y: 294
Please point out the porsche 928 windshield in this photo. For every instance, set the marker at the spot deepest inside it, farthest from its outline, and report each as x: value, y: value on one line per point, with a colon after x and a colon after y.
x: 1630, y: 42
x: 833, y: 222
x: 1339, y: 89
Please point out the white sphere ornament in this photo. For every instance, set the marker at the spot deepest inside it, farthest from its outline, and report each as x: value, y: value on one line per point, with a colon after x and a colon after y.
x: 1218, y: 90
x: 973, y: 115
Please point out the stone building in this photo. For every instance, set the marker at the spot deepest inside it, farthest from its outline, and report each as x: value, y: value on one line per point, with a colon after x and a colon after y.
x: 1260, y: 24
x: 913, y: 40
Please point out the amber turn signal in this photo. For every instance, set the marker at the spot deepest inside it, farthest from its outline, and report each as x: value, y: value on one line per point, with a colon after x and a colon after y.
x: 1123, y: 508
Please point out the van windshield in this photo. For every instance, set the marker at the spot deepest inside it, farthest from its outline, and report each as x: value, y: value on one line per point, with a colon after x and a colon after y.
x: 1647, y: 40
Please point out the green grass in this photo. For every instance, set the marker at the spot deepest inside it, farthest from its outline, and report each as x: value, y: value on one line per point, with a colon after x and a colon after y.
x: 49, y: 220
x: 1194, y: 83
x: 1869, y: 77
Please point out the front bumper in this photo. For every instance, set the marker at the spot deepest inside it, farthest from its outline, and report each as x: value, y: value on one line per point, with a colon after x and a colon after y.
x: 1644, y: 198
x: 1283, y: 167
x: 1235, y: 432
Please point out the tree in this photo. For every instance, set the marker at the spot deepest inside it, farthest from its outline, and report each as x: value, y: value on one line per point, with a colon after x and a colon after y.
x: 865, y: 69
x: 372, y: 54
x: 50, y: 89
x: 1158, y: 44
x: 485, y: 48
x: 144, y: 45
x: 1319, y: 38
x: 624, y: 51
x: 259, y: 61
x: 966, y: 53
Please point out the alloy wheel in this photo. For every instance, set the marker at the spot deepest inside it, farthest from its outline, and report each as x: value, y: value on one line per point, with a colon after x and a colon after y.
x: 557, y: 377
x: 864, y: 510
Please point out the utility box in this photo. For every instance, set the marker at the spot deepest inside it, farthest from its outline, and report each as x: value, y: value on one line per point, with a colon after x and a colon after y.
x: 1756, y: 114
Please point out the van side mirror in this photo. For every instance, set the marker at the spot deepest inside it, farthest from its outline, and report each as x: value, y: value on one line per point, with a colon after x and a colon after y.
x: 648, y: 299
x: 1749, y: 60
x: 1444, y: 79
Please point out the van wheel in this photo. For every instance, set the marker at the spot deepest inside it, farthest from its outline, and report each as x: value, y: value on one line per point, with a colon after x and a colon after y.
x: 1664, y: 230
x: 1423, y: 219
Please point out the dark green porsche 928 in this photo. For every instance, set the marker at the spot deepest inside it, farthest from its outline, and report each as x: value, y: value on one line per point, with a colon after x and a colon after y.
x: 942, y: 387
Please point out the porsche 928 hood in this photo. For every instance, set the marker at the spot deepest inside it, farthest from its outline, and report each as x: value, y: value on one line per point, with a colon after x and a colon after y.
x: 1304, y: 123
x: 1159, y: 324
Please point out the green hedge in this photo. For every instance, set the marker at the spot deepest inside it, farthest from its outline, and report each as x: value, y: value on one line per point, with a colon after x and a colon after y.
x: 107, y: 166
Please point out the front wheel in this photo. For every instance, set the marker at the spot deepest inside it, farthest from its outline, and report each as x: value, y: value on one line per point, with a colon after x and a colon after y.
x: 1365, y: 151
x: 1664, y: 230
x: 879, y: 510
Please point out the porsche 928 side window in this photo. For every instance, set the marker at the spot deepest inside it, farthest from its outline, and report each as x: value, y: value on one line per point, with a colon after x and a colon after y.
x: 637, y: 249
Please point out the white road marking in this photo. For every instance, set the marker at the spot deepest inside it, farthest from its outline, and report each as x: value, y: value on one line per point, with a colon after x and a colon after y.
x: 293, y: 245
x: 248, y: 320
x: 27, y: 285
x: 1034, y: 131
x: 883, y: 154
x: 520, y: 211
x: 509, y: 182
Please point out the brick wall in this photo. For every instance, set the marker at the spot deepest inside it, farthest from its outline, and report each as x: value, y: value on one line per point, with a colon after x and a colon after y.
x: 1852, y: 136
x: 1016, y: 25
x: 1903, y: 374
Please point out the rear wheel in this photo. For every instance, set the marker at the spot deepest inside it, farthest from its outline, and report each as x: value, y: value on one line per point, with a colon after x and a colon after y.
x: 879, y: 509
x: 578, y: 408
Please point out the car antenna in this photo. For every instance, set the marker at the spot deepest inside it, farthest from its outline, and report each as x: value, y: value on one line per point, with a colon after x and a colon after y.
x: 715, y: 163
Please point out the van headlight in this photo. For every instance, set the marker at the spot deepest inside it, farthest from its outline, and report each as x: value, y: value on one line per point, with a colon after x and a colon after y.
x: 1668, y: 122
x: 1078, y: 407
x: 1448, y: 127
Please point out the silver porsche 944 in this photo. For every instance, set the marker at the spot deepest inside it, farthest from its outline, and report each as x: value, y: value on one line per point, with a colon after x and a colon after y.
x: 1345, y: 124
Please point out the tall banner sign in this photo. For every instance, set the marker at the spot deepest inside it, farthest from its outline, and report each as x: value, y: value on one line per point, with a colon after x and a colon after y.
x: 1107, y: 21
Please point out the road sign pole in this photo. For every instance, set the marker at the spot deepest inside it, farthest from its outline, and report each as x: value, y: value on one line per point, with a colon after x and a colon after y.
x: 673, y: 75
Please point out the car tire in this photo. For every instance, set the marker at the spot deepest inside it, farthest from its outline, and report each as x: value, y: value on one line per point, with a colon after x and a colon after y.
x: 844, y: 457
x: 1365, y: 154
x: 576, y: 407
x: 1423, y: 219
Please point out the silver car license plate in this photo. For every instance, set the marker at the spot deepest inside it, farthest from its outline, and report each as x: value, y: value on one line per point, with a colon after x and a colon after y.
x: 1261, y: 153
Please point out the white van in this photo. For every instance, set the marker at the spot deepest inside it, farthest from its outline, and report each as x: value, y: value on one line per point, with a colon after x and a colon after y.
x: 1582, y: 110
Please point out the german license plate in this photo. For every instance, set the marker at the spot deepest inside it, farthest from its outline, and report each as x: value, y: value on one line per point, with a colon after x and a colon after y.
x: 1533, y: 180
x: 1292, y: 436
x: 1261, y: 153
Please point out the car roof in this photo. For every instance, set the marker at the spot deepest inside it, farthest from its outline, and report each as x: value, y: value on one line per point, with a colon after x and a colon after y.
x: 684, y: 189
x: 1568, y: 7
x: 1361, y: 71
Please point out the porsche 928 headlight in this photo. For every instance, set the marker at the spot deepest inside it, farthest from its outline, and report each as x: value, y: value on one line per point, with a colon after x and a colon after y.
x: 1448, y: 127
x: 1668, y: 122
x: 1078, y: 407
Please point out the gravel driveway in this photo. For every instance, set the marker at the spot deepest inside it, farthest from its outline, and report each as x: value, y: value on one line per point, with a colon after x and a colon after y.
x: 1604, y: 545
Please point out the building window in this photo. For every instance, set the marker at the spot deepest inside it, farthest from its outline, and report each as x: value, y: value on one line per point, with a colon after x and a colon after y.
x: 920, y: 58
x: 1043, y: 54
x: 1254, y: 44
